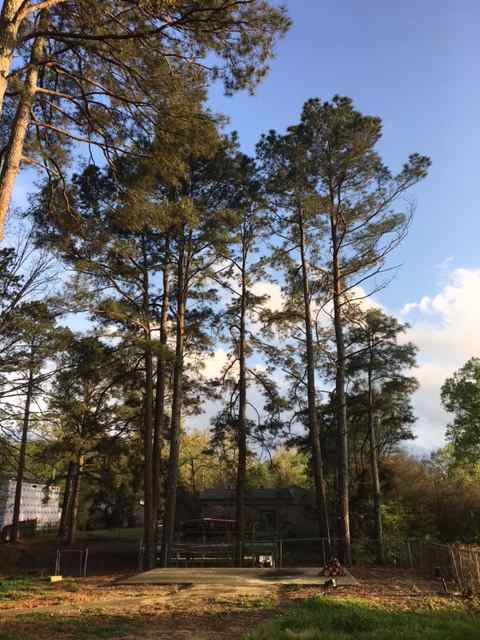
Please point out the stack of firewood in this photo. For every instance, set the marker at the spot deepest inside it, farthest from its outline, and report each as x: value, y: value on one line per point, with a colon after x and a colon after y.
x: 333, y: 569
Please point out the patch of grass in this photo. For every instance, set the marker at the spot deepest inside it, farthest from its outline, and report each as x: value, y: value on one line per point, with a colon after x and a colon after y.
x: 21, y: 587
x: 15, y: 588
x: 70, y: 585
x: 116, y: 534
x: 123, y: 534
x: 86, y: 626
x: 244, y: 602
x: 321, y: 618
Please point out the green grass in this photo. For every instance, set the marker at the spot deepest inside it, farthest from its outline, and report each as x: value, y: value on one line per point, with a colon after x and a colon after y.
x: 321, y: 618
x: 18, y: 588
x: 243, y: 602
x: 86, y: 626
x: 123, y: 534
x: 116, y: 534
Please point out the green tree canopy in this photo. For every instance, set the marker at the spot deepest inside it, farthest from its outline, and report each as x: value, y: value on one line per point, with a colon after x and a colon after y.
x: 461, y: 397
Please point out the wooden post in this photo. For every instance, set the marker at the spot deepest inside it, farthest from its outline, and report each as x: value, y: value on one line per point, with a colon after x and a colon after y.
x: 454, y: 565
x: 477, y: 568
x: 57, y: 563
x: 461, y: 568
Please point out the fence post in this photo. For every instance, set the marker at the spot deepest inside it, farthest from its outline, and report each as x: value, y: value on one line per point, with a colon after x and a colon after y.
x: 477, y: 568
x: 409, y: 552
x: 461, y: 568
x: 85, y: 563
x: 323, y: 553
x: 456, y: 573
x: 57, y: 563
x: 280, y: 553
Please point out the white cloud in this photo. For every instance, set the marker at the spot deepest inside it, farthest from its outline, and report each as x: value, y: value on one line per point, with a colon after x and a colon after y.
x: 410, y: 306
x: 444, y: 326
x: 446, y: 330
x: 215, y: 363
x: 272, y: 290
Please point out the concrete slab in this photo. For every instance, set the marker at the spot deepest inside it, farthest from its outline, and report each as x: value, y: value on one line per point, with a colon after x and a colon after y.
x: 237, y: 577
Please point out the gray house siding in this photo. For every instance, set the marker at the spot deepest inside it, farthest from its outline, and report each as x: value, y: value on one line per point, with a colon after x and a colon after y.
x: 37, y: 503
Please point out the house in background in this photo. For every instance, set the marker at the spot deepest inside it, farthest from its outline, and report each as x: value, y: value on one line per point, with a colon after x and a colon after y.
x: 39, y: 503
x: 282, y: 513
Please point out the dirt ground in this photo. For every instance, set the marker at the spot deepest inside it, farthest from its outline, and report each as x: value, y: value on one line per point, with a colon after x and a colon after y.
x: 100, y: 607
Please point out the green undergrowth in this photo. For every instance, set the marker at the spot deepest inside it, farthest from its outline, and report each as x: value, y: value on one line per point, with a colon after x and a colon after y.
x: 18, y: 588
x: 322, y: 618
x: 244, y: 602
x: 86, y: 626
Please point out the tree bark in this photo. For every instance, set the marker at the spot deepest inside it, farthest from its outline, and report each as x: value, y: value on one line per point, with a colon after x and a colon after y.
x: 149, y: 537
x: 159, y: 421
x: 242, y: 423
x: 22, y: 456
x: 62, y: 528
x: 9, y: 24
x: 176, y: 419
x: 14, y: 151
x: 317, y: 458
x: 340, y: 398
x: 74, y: 501
x: 148, y: 520
x: 377, y: 496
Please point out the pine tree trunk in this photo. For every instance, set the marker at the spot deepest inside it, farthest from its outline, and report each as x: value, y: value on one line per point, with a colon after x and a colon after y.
x: 242, y: 425
x: 72, y: 520
x: 8, y: 40
x: 317, y: 458
x: 148, y: 520
x: 21, y: 460
x: 62, y: 528
x: 159, y: 421
x: 377, y: 497
x: 149, y: 537
x: 340, y: 398
x: 176, y: 419
x: 13, y: 154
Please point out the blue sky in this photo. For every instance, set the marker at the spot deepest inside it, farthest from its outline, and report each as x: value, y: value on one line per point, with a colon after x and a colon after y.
x: 416, y: 65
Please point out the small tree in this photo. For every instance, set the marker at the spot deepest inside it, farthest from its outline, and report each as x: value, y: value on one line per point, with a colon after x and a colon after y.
x: 377, y: 364
x: 84, y: 410
x: 38, y: 340
x: 461, y: 397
